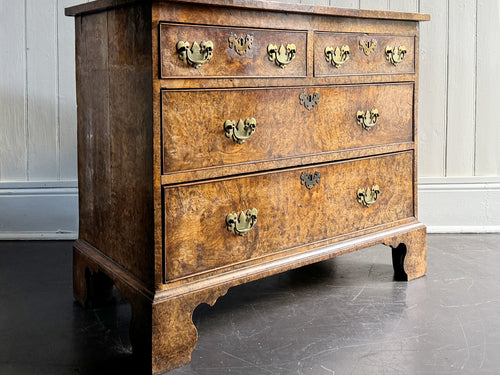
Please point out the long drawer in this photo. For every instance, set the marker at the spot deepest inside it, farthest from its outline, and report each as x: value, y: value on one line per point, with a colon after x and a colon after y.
x: 205, y: 228
x: 287, y: 122
x: 231, y: 52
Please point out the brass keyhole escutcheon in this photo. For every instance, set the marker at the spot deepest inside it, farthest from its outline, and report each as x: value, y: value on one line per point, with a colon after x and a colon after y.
x: 309, y: 100
x: 309, y: 180
x: 240, y: 44
x: 367, y: 46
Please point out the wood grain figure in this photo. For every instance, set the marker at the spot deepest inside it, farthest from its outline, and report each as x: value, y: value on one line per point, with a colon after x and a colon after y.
x: 203, y: 165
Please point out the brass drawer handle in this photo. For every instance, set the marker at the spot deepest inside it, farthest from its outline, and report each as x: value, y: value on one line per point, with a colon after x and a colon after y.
x: 308, y: 100
x: 367, y: 119
x: 243, y: 222
x: 367, y: 46
x: 337, y: 56
x: 368, y: 196
x: 282, y: 56
x: 310, y: 179
x: 395, y: 54
x: 197, y: 55
x: 241, y: 131
x: 241, y: 44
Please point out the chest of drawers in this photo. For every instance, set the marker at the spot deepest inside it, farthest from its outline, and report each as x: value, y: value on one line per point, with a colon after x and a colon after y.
x: 224, y: 141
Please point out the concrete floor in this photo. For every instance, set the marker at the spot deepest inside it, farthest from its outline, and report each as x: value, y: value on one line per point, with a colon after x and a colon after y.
x: 342, y: 316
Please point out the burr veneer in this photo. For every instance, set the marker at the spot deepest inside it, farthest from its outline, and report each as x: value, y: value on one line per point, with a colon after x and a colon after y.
x: 223, y: 141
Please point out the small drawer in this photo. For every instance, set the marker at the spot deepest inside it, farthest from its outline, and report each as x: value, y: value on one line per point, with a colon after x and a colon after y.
x: 349, y: 54
x: 206, y: 51
x: 210, y: 128
x: 218, y: 223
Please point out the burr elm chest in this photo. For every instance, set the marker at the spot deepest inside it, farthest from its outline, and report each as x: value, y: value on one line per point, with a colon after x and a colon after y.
x: 224, y: 141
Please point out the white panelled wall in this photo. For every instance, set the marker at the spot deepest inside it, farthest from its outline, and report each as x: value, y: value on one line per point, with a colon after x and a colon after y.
x: 459, y: 139
x: 38, y: 169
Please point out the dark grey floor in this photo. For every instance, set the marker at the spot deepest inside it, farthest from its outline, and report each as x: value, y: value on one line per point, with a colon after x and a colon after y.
x: 343, y: 316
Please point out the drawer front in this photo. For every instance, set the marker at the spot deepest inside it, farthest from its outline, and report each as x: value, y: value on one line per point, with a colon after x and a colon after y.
x: 235, y: 52
x: 292, y: 210
x: 367, y: 54
x: 194, y: 123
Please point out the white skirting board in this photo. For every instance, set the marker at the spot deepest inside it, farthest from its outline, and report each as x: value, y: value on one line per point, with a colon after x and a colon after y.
x: 38, y: 210
x: 49, y: 210
x: 460, y: 204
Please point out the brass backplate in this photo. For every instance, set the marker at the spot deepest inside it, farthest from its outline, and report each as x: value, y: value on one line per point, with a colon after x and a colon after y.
x: 197, y: 55
x: 368, y: 196
x: 241, y: 223
x: 281, y: 56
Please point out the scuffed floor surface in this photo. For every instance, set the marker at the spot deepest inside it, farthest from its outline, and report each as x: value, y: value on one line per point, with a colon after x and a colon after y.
x: 342, y: 316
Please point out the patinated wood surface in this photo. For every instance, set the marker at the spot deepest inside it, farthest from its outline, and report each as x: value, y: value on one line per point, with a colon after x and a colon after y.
x: 190, y: 13
x: 114, y: 83
x: 289, y: 214
x: 226, y: 62
x: 415, y: 126
x: 251, y: 167
x: 409, y: 254
x: 101, y: 5
x: 254, y: 19
x: 194, y: 135
x: 171, y: 310
x: 360, y: 63
x: 158, y: 176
